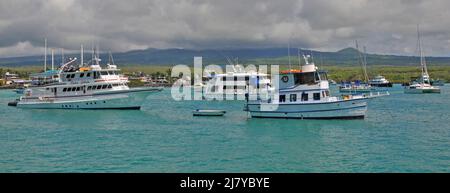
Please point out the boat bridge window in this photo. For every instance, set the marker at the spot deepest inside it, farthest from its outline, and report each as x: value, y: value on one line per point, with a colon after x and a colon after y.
x: 78, y: 88
x: 104, y: 86
x: 89, y: 87
x: 73, y: 89
x: 64, y: 89
x: 88, y: 74
x: 293, y: 97
x: 72, y: 76
x: 68, y: 76
x: 306, y: 78
x: 109, y: 86
x: 316, y: 96
x: 81, y: 75
x: 282, y: 98
x: 104, y: 73
x: 99, y: 87
x: 304, y: 96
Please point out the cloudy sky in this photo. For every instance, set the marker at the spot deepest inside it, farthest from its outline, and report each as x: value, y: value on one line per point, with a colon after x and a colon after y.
x: 384, y: 26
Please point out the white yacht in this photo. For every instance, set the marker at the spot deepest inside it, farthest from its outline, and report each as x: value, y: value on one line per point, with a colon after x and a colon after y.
x: 304, y: 94
x: 380, y: 81
x: 91, y: 87
x: 235, y: 83
x: 355, y: 87
x: 423, y: 84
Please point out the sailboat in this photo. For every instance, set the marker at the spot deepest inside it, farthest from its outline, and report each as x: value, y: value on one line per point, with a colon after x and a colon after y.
x: 423, y: 83
x: 357, y: 86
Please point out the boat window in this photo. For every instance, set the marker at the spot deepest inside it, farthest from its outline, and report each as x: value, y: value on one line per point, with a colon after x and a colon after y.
x: 81, y: 75
x: 78, y: 88
x: 104, y: 86
x: 305, y: 78
x: 94, y: 87
x: 115, y: 84
x: 89, y: 87
x: 72, y: 76
x: 88, y: 74
x: 293, y: 97
x: 282, y: 98
x: 109, y: 86
x: 99, y: 87
x: 316, y: 96
x: 304, y: 96
x: 247, y: 78
x: 73, y: 89
x: 104, y: 73
x: 68, y: 76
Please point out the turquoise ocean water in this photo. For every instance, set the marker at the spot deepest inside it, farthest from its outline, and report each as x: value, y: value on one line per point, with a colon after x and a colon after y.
x: 401, y: 133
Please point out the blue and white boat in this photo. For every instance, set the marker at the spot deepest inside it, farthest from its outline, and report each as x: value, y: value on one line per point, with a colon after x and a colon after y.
x: 305, y: 94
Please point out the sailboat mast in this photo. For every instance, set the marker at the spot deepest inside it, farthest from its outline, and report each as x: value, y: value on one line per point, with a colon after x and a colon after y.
x: 422, y: 58
x: 365, y: 64
x: 360, y: 60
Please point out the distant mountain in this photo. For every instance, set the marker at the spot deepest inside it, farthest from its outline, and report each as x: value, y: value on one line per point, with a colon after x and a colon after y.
x: 347, y: 56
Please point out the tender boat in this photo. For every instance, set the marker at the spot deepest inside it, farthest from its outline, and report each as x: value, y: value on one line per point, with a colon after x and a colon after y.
x: 422, y: 84
x: 86, y: 87
x: 199, y: 112
x: 305, y: 94
x: 380, y: 81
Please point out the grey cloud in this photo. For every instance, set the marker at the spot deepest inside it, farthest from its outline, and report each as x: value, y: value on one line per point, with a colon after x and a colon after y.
x: 384, y: 26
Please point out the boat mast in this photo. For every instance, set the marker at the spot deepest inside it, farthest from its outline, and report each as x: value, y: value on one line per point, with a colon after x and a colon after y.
x: 53, y: 58
x: 289, y: 54
x: 361, y: 61
x: 422, y: 58
x: 45, y: 55
x: 365, y: 64
x: 299, y: 59
x: 62, y: 56
x: 82, y: 53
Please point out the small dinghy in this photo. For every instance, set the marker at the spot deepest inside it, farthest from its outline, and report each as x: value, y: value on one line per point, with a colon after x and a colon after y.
x: 200, y: 112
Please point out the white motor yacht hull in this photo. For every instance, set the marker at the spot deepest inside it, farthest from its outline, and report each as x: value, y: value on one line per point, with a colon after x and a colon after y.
x: 125, y: 99
x: 422, y: 90
x: 345, y: 109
